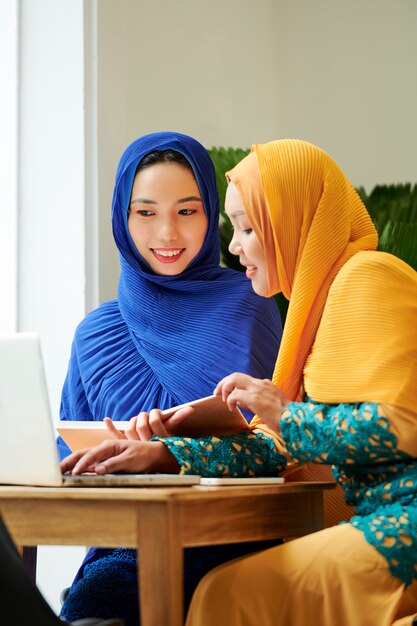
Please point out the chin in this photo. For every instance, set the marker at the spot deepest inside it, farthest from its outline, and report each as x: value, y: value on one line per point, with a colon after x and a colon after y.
x: 260, y: 290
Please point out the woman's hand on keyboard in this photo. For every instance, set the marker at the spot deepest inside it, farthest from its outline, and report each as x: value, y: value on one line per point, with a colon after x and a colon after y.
x: 122, y: 456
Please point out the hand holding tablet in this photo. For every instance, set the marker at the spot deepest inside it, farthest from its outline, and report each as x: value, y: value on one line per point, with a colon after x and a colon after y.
x: 210, y: 416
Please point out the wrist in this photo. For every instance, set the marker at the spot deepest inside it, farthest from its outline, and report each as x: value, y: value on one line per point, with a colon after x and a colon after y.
x: 273, y: 422
x: 162, y: 460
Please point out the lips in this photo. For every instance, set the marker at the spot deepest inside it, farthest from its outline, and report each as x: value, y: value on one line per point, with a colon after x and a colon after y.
x: 250, y: 270
x: 167, y: 255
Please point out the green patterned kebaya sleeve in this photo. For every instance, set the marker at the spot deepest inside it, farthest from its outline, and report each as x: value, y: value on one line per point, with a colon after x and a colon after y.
x: 339, y: 434
x: 245, y: 454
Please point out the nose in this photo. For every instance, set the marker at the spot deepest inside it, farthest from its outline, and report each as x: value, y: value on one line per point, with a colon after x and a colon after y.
x: 234, y: 246
x: 168, y: 230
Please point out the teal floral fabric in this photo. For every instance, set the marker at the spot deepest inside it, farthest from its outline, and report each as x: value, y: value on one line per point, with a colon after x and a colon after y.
x: 245, y: 454
x: 378, y: 479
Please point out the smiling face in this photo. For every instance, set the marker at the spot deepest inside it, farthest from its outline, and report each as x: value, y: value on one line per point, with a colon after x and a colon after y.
x: 245, y: 243
x: 166, y: 220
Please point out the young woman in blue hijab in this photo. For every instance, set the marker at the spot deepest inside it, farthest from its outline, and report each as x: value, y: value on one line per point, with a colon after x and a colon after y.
x: 179, y: 325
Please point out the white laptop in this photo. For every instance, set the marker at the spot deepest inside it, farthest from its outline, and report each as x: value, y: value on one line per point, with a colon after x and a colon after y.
x: 28, y: 452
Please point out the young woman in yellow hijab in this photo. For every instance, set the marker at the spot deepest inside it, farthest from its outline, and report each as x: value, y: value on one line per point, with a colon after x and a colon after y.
x: 344, y: 393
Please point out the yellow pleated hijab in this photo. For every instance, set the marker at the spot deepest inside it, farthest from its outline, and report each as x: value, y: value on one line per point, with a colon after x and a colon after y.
x: 310, y: 221
x: 366, y: 346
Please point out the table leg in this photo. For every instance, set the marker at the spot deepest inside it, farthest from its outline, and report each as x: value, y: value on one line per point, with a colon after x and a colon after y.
x: 160, y: 557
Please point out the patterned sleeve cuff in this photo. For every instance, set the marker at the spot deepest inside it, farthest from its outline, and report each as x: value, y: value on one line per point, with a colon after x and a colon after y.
x: 245, y: 454
x: 181, y: 451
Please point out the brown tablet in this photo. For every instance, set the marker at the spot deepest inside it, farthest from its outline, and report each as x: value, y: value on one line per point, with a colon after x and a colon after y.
x: 211, y: 416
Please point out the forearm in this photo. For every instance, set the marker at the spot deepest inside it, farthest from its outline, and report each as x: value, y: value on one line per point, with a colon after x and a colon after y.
x: 246, y: 454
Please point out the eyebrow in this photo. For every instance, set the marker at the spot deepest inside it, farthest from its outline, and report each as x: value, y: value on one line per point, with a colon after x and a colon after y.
x: 180, y: 201
x: 143, y: 201
x: 189, y: 199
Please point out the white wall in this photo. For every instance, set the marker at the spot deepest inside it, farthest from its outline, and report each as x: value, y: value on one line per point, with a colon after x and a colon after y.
x: 349, y: 83
x: 234, y: 72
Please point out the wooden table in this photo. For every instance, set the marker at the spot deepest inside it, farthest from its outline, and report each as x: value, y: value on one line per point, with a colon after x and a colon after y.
x: 159, y: 522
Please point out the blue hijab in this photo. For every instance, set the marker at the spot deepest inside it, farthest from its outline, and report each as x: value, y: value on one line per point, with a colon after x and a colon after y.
x: 167, y: 339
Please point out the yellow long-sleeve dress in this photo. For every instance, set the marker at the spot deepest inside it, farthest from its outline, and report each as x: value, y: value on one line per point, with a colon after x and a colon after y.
x: 360, y: 417
x: 362, y: 573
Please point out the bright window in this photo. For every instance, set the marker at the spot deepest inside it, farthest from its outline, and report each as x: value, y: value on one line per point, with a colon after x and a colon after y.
x: 8, y: 162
